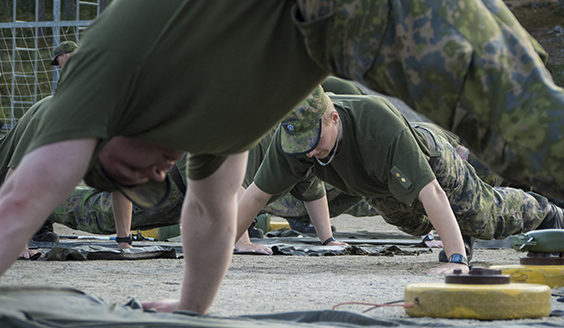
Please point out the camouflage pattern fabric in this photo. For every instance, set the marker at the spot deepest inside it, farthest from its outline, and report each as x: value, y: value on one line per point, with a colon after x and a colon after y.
x: 468, y: 65
x: 300, y: 137
x: 63, y: 48
x: 91, y: 211
x: 482, y: 211
x: 487, y: 175
x: 291, y: 208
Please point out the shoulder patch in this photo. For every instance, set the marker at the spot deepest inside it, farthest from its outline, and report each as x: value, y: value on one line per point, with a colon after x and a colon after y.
x: 398, y: 174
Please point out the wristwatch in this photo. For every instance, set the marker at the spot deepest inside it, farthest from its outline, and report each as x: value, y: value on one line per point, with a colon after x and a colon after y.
x: 128, y: 239
x: 458, y: 258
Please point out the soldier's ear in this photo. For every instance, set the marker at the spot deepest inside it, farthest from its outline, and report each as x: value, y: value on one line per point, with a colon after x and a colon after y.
x: 335, y: 116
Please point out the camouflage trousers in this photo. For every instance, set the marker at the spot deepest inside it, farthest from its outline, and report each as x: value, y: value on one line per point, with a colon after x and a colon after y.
x: 91, y: 211
x: 482, y: 211
x: 468, y: 65
x: 291, y: 208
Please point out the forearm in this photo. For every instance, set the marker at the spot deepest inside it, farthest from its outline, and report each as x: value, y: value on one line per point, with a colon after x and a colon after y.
x: 250, y: 204
x: 122, y: 209
x: 440, y: 214
x: 318, y: 211
x: 35, y: 190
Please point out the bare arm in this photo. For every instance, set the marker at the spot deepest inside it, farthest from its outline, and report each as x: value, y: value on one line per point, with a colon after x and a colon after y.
x: 250, y: 204
x: 440, y: 214
x: 26, y: 252
x: 9, y: 173
x: 44, y: 178
x: 122, y: 209
x: 318, y: 211
x: 209, y: 220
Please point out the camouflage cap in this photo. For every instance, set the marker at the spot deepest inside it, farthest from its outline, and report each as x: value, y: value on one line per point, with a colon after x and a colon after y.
x: 63, y: 48
x: 151, y: 195
x: 301, y: 129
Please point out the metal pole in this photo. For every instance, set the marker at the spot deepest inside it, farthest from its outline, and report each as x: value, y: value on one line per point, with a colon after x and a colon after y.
x: 56, y: 39
x: 14, y: 45
x: 77, y: 17
x: 36, y: 51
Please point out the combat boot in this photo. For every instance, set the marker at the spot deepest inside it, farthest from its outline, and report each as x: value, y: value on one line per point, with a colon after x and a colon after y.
x: 255, y: 232
x: 554, y: 219
x: 468, y: 246
x: 555, y: 201
x: 46, y: 233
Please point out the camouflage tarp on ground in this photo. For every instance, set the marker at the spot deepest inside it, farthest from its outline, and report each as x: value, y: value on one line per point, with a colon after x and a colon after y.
x: 283, y: 242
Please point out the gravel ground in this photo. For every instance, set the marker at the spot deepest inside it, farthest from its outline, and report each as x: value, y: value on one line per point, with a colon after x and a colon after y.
x: 266, y: 284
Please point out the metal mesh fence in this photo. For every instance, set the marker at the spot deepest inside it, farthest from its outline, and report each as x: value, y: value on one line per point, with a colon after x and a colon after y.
x: 26, y: 50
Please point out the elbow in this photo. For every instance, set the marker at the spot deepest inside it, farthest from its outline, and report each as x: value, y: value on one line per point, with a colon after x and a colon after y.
x: 432, y: 191
x: 438, y: 190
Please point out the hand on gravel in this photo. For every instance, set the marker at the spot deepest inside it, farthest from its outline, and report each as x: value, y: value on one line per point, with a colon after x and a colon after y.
x: 166, y: 306
x: 434, y: 243
x: 449, y: 268
x: 28, y: 253
x: 124, y: 246
x: 337, y: 243
x: 258, y: 248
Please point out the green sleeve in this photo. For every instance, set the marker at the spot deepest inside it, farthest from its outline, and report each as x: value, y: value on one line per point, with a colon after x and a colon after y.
x: 409, y: 169
x: 203, y: 165
x: 256, y: 156
x: 22, y: 135
x: 23, y: 144
x: 181, y: 165
x: 309, y: 189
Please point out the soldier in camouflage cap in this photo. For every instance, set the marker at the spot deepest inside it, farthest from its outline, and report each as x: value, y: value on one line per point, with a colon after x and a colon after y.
x: 62, y: 53
x: 467, y: 65
x: 413, y: 177
x: 303, y: 126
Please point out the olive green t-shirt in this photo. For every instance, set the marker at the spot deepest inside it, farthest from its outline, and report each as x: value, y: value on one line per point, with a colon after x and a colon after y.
x: 381, y: 155
x: 208, y: 79
x: 256, y: 155
x: 14, y: 145
x: 309, y: 188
